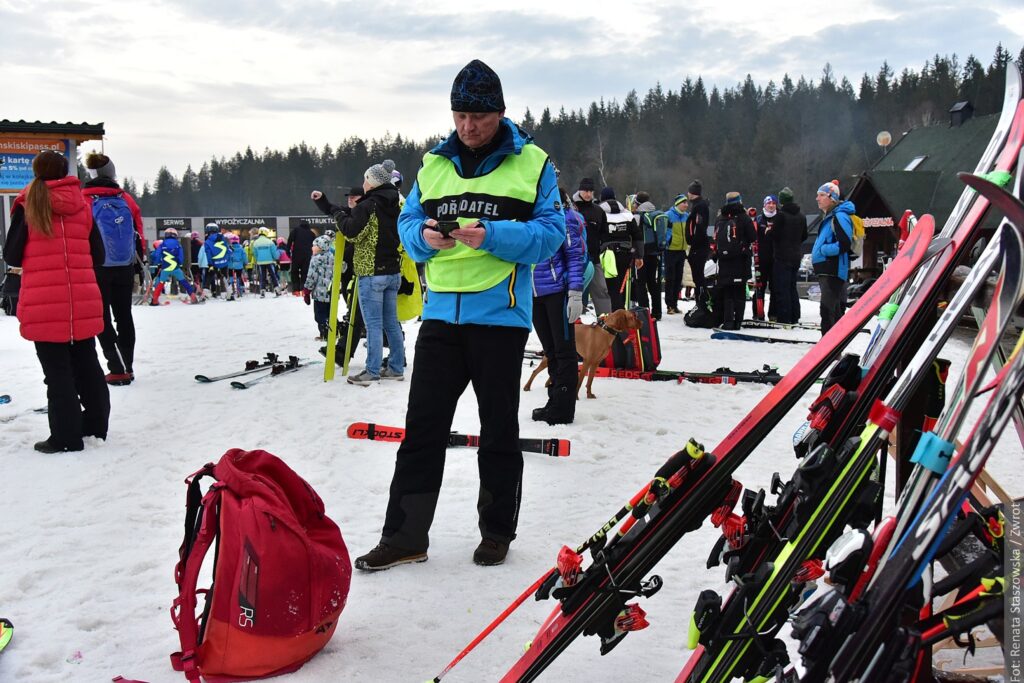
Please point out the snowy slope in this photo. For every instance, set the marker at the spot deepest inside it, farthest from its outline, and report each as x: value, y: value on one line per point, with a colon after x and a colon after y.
x: 91, y: 538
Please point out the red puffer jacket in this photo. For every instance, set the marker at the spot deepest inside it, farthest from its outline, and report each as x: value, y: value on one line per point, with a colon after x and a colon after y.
x: 60, y: 300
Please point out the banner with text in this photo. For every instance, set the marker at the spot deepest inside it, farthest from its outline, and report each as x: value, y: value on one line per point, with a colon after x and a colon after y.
x: 16, y: 155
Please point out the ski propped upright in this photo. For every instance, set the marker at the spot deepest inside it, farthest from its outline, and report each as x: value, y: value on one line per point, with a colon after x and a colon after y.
x: 598, y: 595
x: 375, y: 432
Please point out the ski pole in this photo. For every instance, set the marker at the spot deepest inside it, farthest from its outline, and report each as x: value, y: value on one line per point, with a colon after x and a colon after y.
x: 493, y: 625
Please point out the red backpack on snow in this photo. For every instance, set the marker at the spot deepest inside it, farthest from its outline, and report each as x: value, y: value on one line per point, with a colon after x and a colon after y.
x: 281, y: 572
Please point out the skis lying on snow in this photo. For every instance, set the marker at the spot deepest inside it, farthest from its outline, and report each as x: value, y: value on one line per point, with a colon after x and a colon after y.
x: 6, y: 633
x: 291, y: 365
x: 770, y: 325
x: 376, y: 432
x: 733, y: 335
x: 251, y: 366
x: 766, y: 375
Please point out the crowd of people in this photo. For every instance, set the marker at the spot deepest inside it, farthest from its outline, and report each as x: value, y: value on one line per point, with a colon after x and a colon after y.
x: 502, y: 250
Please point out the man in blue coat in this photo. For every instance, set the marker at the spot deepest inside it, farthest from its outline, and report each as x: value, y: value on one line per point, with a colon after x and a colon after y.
x: 831, y: 253
x: 483, y: 210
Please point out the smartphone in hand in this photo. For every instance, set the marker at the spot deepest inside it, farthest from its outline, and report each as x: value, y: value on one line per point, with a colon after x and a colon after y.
x: 446, y: 227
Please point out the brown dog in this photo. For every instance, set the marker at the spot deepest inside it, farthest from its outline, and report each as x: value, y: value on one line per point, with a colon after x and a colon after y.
x: 592, y: 344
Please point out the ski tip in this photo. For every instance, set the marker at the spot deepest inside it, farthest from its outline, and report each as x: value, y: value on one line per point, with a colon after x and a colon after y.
x: 202, y: 379
x: 238, y: 385
x: 1000, y: 198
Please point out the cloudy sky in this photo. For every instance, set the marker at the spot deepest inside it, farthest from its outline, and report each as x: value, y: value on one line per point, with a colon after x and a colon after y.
x: 178, y: 82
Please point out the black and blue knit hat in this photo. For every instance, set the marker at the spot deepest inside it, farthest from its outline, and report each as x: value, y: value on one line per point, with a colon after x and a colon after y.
x: 477, y: 89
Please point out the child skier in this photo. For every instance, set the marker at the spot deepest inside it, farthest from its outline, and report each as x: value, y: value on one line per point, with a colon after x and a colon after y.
x: 318, y: 283
x: 236, y: 266
x: 169, y: 258
x: 217, y: 251
x: 265, y: 253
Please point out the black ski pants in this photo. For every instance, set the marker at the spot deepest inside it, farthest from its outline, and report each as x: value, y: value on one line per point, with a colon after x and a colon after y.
x: 448, y: 359
x: 300, y: 268
x: 833, y: 301
x: 734, y: 295
x: 617, y: 285
x: 77, y: 396
x: 648, y: 285
x: 118, y: 344
x: 784, y: 293
x: 674, y: 262
x: 558, y: 337
x: 697, y: 259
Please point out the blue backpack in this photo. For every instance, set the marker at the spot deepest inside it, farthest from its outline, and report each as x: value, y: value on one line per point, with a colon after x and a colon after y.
x: 117, y: 227
x: 657, y: 228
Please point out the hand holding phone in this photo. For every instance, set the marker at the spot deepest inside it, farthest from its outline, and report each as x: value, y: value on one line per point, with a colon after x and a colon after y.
x: 446, y: 227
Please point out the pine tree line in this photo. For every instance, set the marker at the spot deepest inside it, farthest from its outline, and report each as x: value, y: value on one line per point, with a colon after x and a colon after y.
x: 747, y: 138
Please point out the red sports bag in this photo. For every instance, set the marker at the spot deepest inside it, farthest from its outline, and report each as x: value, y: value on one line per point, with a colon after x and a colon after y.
x: 281, y: 572
x: 636, y: 349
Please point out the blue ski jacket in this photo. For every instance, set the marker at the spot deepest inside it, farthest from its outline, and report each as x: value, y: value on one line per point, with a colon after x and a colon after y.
x: 831, y: 252
x: 169, y: 255
x: 217, y: 250
x: 524, y: 243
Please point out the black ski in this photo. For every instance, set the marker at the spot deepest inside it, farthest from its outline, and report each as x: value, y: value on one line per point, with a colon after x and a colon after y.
x: 291, y: 365
x: 251, y: 366
x: 733, y: 335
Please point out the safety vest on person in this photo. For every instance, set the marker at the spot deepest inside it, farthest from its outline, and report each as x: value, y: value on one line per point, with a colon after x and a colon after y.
x: 507, y: 193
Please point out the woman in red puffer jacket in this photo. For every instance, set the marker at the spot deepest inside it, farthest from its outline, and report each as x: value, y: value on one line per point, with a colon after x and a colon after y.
x: 60, y: 308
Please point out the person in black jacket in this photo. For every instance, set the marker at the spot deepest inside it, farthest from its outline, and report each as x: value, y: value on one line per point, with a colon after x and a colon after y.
x: 372, y: 225
x: 597, y: 237
x: 300, y: 248
x: 697, y: 238
x: 626, y: 240
x: 734, y: 233
x: 648, y: 289
x: 764, y: 223
x: 788, y: 235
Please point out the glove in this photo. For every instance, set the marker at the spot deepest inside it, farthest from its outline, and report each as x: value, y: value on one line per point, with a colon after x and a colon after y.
x: 305, y: 296
x: 320, y: 199
x: 574, y: 307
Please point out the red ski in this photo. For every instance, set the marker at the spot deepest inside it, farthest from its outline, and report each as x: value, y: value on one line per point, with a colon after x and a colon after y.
x: 375, y: 432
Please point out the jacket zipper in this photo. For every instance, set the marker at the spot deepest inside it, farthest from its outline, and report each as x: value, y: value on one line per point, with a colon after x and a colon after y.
x: 67, y: 268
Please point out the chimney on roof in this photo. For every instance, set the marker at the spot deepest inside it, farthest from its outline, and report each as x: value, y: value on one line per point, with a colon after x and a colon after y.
x: 959, y: 113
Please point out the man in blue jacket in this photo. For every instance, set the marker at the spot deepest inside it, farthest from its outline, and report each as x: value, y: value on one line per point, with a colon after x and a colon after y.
x: 500, y: 188
x: 831, y: 253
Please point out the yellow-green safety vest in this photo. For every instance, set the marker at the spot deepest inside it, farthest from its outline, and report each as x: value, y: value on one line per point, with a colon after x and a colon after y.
x: 506, y: 193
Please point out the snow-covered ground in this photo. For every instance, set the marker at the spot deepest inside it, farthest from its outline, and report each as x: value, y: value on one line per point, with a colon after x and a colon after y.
x: 90, y: 539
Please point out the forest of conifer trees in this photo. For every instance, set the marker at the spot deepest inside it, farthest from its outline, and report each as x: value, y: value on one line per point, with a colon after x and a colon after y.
x: 748, y: 138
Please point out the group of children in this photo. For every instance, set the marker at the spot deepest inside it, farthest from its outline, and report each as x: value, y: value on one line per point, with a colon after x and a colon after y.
x: 222, y: 264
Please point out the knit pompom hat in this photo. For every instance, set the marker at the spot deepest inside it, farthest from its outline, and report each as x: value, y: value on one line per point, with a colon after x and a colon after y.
x: 100, y: 166
x: 377, y: 175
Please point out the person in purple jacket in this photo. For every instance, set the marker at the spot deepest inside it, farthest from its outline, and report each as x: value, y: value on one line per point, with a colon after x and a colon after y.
x: 557, y: 304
